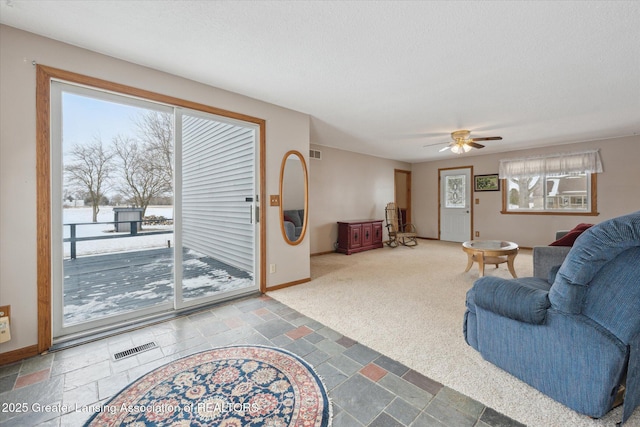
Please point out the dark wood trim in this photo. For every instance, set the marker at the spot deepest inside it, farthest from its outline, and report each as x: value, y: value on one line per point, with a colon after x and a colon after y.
x: 323, y: 253
x: 408, y: 189
x: 18, y: 354
x: 69, y: 76
x: 44, y: 75
x: 263, y: 207
x: 43, y: 207
x: 288, y: 284
x: 593, y: 199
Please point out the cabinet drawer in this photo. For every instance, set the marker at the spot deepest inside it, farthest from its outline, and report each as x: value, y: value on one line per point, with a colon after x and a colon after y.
x: 355, y: 236
x: 377, y: 233
x: 367, y: 234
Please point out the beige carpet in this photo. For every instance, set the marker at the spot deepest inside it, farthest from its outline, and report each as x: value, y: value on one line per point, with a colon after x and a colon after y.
x: 408, y: 304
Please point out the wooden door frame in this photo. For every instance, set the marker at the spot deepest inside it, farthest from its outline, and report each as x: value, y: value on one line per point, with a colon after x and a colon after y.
x: 44, y: 75
x: 470, y: 196
x: 408, y: 189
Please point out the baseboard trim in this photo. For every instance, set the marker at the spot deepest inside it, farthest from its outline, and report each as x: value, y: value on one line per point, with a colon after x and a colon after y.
x: 18, y: 354
x: 323, y: 253
x: 286, y: 285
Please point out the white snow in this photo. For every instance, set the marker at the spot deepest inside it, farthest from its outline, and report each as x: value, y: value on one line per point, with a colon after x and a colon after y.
x: 83, y: 215
x: 102, y: 302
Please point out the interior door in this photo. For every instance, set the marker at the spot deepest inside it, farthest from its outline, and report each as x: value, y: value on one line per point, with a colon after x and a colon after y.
x: 455, y: 204
x: 402, y: 181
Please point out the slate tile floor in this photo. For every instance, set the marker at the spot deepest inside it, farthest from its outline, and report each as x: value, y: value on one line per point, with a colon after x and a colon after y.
x: 366, y: 387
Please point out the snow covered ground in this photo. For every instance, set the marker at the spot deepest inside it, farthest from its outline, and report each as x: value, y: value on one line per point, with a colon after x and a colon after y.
x: 133, y: 281
x: 112, y: 284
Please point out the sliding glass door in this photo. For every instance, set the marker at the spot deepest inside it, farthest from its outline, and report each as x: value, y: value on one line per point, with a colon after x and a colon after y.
x: 217, y: 194
x: 154, y: 209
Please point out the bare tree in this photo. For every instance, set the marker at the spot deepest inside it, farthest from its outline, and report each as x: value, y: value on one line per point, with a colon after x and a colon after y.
x: 142, y: 170
x: 155, y: 129
x: 90, y: 170
x: 526, y: 187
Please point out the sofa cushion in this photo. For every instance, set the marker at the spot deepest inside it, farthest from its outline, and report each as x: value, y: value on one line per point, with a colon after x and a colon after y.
x: 570, y: 238
x: 592, y: 250
x: 295, y: 216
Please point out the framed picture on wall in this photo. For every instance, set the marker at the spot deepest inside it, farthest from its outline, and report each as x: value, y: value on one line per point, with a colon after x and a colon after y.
x: 486, y: 182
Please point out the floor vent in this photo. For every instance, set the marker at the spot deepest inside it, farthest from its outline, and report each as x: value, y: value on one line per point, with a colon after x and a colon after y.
x: 315, y: 154
x: 135, y: 350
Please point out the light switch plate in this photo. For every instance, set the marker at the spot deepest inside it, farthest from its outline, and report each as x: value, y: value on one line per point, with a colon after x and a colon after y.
x: 274, y: 200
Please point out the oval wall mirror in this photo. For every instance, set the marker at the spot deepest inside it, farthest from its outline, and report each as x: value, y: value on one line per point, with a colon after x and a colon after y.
x: 293, y: 197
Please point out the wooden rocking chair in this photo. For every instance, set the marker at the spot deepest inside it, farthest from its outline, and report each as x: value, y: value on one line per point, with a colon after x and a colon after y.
x: 399, y: 234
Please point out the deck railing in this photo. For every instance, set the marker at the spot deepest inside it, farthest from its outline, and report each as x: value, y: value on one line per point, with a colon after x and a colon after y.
x: 135, y: 226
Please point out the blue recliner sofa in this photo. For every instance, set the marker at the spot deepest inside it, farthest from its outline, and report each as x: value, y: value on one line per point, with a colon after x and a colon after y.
x: 576, y: 336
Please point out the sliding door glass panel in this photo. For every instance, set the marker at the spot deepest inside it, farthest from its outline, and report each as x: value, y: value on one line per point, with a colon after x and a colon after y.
x: 112, y: 208
x: 218, y: 221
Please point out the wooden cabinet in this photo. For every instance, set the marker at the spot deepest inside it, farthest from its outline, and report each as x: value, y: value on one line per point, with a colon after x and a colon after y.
x: 359, y: 235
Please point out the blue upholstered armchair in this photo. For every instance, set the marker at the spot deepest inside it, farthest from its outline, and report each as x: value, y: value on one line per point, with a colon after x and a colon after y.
x: 293, y: 222
x: 576, y: 336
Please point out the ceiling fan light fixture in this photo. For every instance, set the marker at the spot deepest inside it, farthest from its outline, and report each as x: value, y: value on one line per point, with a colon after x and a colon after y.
x: 460, y: 147
x: 463, y: 144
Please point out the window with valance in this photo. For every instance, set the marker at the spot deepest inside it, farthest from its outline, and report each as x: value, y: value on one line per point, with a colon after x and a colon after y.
x: 563, y: 183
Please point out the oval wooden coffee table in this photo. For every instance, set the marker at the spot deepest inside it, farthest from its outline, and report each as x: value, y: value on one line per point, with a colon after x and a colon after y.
x: 490, y: 252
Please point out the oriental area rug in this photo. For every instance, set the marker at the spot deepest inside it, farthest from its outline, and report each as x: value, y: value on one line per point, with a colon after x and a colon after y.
x: 233, y: 386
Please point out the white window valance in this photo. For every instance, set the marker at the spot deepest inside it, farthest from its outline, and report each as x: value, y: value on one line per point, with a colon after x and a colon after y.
x: 552, y: 164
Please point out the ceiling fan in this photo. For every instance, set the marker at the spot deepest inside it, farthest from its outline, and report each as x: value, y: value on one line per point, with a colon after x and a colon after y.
x: 462, y: 143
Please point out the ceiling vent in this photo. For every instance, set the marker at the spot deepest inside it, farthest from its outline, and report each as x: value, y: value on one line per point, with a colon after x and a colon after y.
x: 315, y: 154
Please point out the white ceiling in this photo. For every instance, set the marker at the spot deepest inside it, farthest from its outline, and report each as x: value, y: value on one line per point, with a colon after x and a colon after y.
x: 386, y: 77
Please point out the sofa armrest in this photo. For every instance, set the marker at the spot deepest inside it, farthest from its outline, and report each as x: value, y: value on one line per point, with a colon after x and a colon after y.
x: 547, y: 257
x: 632, y: 395
x: 514, y: 298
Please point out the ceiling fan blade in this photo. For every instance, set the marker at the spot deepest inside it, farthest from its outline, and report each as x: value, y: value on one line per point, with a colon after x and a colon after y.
x: 489, y: 138
x: 422, y: 135
x: 445, y: 148
x: 474, y: 145
x: 437, y: 143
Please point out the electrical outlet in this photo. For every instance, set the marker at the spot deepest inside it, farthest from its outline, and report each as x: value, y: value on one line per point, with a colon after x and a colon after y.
x: 477, y: 234
x: 272, y: 268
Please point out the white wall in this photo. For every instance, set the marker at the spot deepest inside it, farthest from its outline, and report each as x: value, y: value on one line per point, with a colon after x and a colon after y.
x: 285, y: 130
x: 345, y: 186
x: 618, y: 193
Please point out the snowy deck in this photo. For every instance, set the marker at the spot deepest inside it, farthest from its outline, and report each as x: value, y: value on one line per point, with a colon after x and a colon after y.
x: 104, y: 285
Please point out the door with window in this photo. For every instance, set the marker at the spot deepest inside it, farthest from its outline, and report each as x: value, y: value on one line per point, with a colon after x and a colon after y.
x: 154, y: 209
x: 455, y: 204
